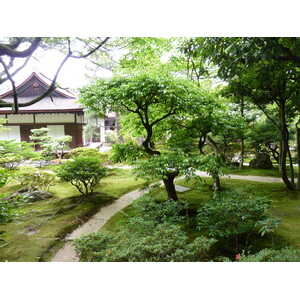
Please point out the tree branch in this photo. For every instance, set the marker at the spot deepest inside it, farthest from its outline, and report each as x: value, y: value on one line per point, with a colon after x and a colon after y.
x: 16, y: 71
x: 38, y: 98
x: 165, y: 116
x: 11, y: 52
x: 93, y: 50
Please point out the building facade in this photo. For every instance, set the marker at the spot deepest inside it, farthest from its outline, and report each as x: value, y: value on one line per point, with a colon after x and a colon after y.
x: 59, y: 111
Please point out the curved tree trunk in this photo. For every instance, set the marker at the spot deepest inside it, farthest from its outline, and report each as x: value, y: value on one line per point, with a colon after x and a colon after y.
x: 241, y: 164
x: 170, y: 186
x: 298, y: 153
x: 217, y: 183
x: 284, y: 134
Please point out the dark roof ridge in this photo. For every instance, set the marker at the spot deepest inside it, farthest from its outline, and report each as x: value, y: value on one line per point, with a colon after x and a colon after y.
x: 39, y: 77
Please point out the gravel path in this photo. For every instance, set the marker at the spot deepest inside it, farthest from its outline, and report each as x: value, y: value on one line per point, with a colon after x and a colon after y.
x: 67, y: 252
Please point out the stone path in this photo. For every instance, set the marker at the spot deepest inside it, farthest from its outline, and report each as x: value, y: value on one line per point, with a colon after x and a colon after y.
x: 67, y: 252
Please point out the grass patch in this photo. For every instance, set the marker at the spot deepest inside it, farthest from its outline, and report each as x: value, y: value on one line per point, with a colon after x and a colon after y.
x: 38, y: 231
x: 260, y: 172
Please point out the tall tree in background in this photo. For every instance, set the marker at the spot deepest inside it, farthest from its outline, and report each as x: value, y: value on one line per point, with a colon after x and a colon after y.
x: 267, y: 71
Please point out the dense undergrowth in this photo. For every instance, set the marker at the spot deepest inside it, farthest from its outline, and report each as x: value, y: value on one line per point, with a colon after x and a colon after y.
x: 284, y: 208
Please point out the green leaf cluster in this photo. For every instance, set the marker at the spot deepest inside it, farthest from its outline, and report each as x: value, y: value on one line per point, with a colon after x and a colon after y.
x: 84, y: 173
x: 232, y: 215
x: 12, y: 153
x: 153, y: 235
x: 35, y: 179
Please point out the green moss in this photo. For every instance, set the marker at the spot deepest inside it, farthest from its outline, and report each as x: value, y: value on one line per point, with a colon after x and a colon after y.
x: 37, y: 233
x: 259, y: 172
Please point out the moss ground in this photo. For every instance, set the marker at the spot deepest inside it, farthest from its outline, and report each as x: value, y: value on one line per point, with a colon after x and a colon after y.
x: 42, y: 225
x: 260, y: 172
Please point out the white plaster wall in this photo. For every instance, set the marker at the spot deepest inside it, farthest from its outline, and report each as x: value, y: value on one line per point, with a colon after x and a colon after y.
x: 54, y: 118
x: 56, y: 130
x: 12, y: 133
x: 20, y: 119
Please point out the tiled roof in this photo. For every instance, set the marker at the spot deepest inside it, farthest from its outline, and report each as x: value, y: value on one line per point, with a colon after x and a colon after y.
x: 47, y: 104
x: 61, y: 100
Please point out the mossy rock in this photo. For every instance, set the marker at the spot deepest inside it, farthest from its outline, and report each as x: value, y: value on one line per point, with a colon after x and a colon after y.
x: 261, y: 161
x: 31, y: 196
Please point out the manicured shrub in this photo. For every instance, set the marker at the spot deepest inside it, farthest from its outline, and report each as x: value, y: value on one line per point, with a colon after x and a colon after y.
x: 164, y: 244
x: 50, y: 145
x: 35, y: 179
x: 12, y: 153
x: 84, y: 173
x: 126, y: 152
x: 287, y: 254
x: 233, y: 215
x: 153, y: 234
x: 85, y: 152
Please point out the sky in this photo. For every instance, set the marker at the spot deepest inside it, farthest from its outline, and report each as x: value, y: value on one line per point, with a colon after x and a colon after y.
x: 72, y: 75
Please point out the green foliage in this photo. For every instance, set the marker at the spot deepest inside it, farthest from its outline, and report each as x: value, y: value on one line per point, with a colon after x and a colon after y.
x: 91, y: 131
x: 157, y: 166
x: 232, y: 214
x: 288, y: 254
x: 262, y: 135
x: 7, y: 212
x: 153, y: 95
x: 89, y: 152
x: 166, y: 244
x: 111, y: 136
x: 12, y: 153
x: 50, y: 144
x: 35, y: 179
x: 40, y: 136
x: 126, y: 152
x: 3, y: 177
x: 84, y: 173
x: 153, y: 235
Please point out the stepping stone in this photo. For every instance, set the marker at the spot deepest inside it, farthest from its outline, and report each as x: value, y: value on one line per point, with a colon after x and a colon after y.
x: 181, y: 189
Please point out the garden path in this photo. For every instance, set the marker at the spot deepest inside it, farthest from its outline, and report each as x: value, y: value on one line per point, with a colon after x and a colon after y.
x: 67, y: 252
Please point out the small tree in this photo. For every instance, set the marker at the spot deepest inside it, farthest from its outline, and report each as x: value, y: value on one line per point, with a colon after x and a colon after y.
x: 50, y: 144
x: 84, y: 173
x: 13, y: 152
x: 151, y: 100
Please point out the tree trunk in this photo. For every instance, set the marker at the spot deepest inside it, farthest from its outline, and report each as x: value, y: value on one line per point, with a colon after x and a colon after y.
x: 284, y: 135
x: 241, y: 165
x: 291, y: 166
x: 217, y: 184
x: 298, y: 153
x: 170, y: 186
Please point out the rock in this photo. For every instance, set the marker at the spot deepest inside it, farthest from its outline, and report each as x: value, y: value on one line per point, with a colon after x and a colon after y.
x: 32, y: 196
x: 40, y: 195
x: 261, y: 161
